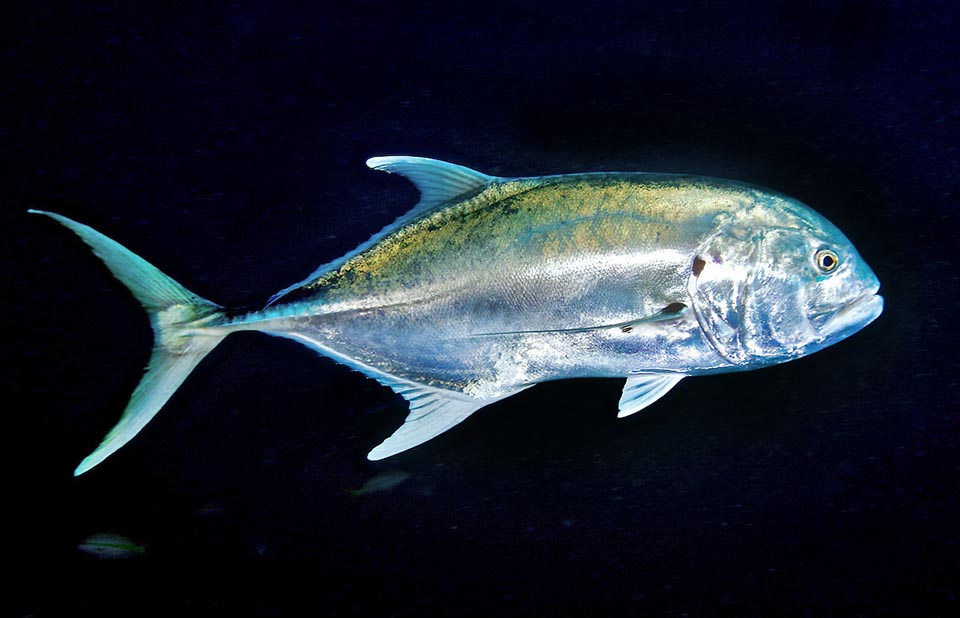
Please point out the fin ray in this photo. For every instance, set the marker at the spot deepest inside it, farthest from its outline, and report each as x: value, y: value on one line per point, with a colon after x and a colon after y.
x: 165, y: 373
x: 437, y: 181
x: 432, y: 412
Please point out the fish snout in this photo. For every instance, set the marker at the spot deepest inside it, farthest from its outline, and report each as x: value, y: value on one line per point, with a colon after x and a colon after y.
x: 851, y: 316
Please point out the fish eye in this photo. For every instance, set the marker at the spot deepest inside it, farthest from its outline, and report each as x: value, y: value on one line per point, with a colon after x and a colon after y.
x: 827, y: 260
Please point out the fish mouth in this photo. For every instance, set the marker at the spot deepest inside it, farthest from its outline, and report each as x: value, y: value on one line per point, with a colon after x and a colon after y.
x: 853, y: 316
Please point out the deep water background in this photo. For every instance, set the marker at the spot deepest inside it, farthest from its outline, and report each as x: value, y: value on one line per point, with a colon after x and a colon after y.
x: 226, y: 143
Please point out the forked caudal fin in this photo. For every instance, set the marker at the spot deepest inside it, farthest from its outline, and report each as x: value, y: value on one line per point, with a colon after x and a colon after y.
x: 182, y: 331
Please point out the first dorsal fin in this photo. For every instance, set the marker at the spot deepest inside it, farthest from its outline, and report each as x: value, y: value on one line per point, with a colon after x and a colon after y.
x: 437, y: 181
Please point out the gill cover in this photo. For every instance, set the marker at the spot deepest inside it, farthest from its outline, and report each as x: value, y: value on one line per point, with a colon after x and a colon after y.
x: 749, y: 292
x: 721, y: 276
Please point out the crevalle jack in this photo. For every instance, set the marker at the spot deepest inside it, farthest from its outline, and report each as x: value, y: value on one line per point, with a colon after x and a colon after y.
x: 491, y: 285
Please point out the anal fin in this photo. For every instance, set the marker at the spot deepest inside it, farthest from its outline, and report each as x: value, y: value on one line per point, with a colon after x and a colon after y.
x: 642, y: 390
x: 432, y: 411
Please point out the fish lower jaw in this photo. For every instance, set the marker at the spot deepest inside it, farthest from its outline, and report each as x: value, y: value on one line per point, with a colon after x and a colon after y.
x: 852, y: 317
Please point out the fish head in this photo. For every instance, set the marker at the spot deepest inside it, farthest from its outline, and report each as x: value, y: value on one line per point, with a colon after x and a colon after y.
x: 777, y: 281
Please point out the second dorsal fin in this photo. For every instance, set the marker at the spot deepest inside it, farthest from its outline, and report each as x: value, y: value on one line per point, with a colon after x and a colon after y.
x: 437, y: 181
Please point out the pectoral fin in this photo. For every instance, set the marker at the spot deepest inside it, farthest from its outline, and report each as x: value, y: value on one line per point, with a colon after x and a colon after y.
x: 641, y: 391
x: 670, y: 312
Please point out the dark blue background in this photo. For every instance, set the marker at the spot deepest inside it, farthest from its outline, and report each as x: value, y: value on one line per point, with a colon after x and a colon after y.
x: 225, y: 144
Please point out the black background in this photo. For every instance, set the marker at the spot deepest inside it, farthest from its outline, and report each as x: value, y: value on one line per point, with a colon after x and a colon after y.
x: 225, y: 144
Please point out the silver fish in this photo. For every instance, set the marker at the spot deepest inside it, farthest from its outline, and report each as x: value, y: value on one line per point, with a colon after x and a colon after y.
x: 491, y: 285
x: 111, y: 546
x: 383, y: 482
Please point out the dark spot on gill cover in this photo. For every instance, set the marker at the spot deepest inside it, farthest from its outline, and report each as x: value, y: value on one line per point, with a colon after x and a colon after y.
x: 626, y: 329
x: 674, y: 308
x: 698, y: 264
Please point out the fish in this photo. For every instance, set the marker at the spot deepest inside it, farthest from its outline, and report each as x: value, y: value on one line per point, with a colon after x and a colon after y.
x: 110, y: 546
x: 383, y: 482
x: 490, y: 285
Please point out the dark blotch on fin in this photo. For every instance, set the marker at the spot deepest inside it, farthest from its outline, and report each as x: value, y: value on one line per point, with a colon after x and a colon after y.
x: 671, y: 311
x: 698, y: 264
